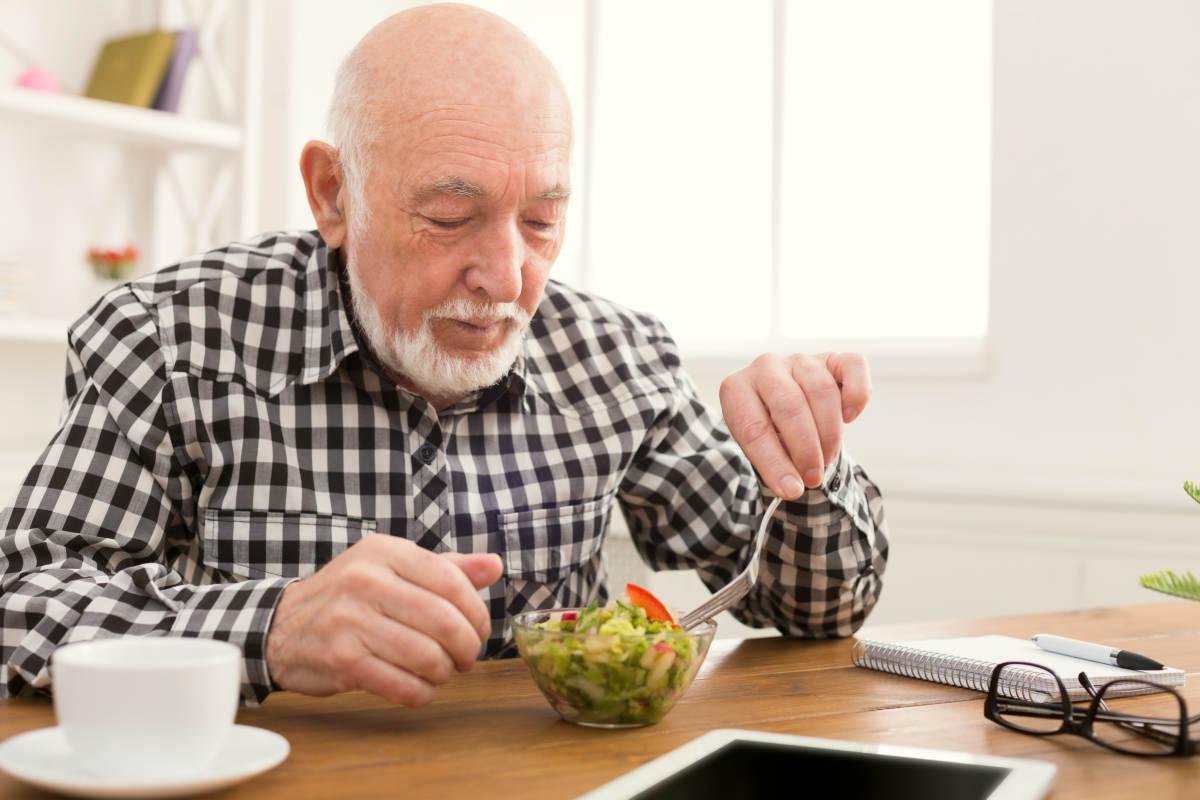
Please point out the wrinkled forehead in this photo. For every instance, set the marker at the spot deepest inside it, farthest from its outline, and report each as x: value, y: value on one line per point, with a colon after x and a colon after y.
x: 481, y: 151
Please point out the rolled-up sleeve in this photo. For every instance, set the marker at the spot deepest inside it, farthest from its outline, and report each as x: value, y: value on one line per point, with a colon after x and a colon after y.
x: 86, y: 547
x: 693, y: 500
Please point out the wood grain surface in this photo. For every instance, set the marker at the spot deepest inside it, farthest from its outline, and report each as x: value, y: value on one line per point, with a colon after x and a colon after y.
x: 490, y: 733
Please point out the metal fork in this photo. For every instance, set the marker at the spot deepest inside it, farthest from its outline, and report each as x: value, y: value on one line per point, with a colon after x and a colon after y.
x: 739, y: 587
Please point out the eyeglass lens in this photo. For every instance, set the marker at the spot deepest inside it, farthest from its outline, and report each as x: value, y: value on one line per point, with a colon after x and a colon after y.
x: 1138, y: 699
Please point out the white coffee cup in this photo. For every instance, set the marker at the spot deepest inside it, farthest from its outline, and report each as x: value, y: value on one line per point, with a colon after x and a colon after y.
x: 146, y: 707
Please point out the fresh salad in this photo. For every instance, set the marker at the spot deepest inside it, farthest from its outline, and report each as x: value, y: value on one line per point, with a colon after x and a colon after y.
x: 625, y: 663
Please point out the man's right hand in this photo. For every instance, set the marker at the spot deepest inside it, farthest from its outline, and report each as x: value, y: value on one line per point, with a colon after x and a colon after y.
x: 387, y: 616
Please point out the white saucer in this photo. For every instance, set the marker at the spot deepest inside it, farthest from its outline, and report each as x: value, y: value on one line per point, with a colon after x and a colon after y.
x: 44, y: 759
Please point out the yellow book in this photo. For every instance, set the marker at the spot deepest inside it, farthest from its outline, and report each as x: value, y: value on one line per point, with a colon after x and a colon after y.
x: 129, y: 70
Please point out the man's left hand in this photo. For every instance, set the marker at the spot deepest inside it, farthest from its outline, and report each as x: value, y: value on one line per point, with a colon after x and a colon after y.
x: 787, y: 413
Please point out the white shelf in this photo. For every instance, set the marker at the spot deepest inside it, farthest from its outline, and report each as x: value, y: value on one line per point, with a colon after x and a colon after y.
x: 34, y: 329
x: 142, y: 127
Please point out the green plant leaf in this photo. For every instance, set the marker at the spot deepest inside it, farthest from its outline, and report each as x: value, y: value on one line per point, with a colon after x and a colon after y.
x: 1167, y: 582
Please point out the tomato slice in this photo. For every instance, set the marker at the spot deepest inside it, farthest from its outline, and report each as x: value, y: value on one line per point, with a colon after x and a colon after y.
x: 654, y: 609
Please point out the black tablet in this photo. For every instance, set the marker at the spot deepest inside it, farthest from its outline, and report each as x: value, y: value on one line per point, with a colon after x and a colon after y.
x: 737, y: 764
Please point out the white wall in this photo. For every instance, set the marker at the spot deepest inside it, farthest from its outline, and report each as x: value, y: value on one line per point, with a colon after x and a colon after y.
x: 1053, y: 478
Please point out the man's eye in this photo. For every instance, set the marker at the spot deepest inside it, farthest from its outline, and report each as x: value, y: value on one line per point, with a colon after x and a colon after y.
x: 449, y: 224
x: 539, y: 225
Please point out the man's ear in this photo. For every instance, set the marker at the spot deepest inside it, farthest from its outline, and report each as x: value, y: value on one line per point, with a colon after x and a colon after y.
x: 322, y: 181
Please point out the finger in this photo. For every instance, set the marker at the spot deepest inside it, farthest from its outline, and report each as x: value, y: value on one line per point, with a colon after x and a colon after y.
x: 393, y: 684
x: 408, y: 649
x: 438, y: 575
x: 439, y: 619
x: 792, y: 416
x: 825, y: 405
x: 751, y: 427
x: 481, y: 569
x: 851, y: 372
x: 400, y: 598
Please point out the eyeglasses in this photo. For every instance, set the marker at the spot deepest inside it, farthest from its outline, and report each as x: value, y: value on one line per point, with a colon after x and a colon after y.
x: 1138, y: 725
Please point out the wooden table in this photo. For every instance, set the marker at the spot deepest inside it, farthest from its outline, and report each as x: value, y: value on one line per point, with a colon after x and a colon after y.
x: 491, y: 734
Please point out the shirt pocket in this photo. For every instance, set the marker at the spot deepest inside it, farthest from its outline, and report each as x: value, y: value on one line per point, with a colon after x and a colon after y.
x: 545, y: 545
x: 264, y: 544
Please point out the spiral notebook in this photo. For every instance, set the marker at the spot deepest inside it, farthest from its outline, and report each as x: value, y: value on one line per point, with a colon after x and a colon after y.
x: 968, y: 662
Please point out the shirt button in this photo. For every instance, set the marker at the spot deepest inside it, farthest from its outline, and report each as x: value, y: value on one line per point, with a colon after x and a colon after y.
x: 836, y: 483
x: 427, y: 453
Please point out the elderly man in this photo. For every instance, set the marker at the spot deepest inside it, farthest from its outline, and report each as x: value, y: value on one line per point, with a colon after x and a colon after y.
x: 238, y: 425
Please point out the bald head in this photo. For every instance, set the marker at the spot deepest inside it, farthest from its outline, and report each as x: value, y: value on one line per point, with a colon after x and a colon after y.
x: 443, y: 58
x: 456, y: 54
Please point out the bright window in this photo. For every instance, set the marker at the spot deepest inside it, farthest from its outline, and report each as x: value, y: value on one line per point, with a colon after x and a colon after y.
x: 680, y: 195
x: 789, y: 171
x: 885, y: 169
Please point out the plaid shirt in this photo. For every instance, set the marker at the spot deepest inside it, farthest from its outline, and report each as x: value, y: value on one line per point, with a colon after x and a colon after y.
x: 225, y: 432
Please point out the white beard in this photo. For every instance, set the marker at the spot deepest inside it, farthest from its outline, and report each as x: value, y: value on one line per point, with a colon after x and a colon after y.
x: 417, y: 355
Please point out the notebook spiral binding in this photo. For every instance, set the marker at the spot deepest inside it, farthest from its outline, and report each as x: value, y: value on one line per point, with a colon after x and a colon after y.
x: 1019, y: 683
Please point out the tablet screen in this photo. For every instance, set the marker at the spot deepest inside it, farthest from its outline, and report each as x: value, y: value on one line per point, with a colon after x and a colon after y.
x: 746, y: 769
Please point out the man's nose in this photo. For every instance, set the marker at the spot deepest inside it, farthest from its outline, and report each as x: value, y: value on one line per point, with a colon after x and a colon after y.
x: 496, y: 268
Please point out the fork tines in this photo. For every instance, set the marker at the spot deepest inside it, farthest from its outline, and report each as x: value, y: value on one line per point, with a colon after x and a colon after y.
x: 728, y: 595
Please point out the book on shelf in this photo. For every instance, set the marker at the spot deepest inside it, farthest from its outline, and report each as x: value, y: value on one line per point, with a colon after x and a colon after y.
x: 186, y: 45
x: 130, y: 70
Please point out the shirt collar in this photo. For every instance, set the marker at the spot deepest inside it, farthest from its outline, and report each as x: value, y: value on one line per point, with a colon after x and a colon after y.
x: 328, y: 338
x: 330, y: 335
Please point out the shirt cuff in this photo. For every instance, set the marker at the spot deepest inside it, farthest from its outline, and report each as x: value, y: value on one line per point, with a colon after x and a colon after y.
x: 838, y: 488
x: 239, y: 613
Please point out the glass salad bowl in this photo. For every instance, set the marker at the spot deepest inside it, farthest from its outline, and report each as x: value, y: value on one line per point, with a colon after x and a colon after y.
x: 612, y: 666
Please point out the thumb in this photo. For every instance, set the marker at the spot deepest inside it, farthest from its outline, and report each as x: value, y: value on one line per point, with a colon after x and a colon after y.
x: 482, y: 569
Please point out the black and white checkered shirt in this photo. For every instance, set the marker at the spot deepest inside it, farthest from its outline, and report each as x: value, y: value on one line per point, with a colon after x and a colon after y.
x: 225, y: 432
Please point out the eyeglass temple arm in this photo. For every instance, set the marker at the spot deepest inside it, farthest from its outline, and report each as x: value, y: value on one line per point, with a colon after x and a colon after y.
x: 1090, y: 688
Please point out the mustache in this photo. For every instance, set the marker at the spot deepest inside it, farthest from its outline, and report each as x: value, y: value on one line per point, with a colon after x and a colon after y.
x: 462, y: 310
